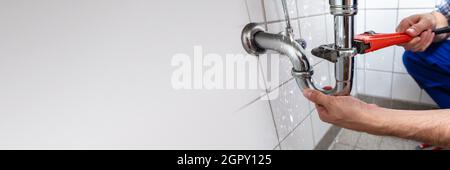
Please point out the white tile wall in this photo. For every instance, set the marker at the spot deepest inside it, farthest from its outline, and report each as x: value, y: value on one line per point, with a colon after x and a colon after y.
x: 360, y: 81
x: 417, y: 4
x: 261, y: 135
x: 370, y: 4
x: 405, y: 88
x: 311, y: 7
x: 361, y: 22
x: 381, y: 21
x: 301, y: 138
x: 398, y: 60
x: 319, y: 127
x: 255, y: 10
x: 313, y: 31
x: 380, y: 60
x: 362, y: 4
x: 274, y: 10
x: 378, y: 83
x: 289, y: 107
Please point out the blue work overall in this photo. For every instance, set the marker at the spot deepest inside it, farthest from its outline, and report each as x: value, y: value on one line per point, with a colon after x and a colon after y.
x: 431, y: 70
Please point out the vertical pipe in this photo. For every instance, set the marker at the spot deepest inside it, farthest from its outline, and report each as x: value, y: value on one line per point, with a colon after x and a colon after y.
x: 344, y: 31
x: 344, y: 12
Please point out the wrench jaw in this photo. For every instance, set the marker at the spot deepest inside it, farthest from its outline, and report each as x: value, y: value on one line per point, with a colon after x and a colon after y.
x: 326, y: 52
x: 361, y: 47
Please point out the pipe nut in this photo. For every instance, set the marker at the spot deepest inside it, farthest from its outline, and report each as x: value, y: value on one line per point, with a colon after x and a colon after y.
x: 248, y: 39
x: 302, y: 74
x: 344, y: 7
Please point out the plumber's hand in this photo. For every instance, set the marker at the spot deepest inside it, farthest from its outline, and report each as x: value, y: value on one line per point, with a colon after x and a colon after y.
x: 347, y: 112
x: 419, y: 26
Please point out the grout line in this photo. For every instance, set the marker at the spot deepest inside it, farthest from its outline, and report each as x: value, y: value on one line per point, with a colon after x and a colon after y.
x: 280, y: 85
x: 312, y: 130
x: 296, y: 126
x: 248, y: 11
x: 260, y: 73
x: 393, y: 60
x: 264, y: 14
x: 298, y: 22
x: 384, y: 71
x: 249, y: 103
x: 296, y: 18
x: 412, y: 8
x: 274, y: 122
x: 277, y: 145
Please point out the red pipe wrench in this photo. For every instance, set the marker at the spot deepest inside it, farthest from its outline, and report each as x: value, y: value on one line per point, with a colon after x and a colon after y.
x: 371, y: 41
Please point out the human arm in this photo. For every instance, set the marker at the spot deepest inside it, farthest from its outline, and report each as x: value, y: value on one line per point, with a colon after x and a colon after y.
x: 420, y: 26
x: 432, y: 126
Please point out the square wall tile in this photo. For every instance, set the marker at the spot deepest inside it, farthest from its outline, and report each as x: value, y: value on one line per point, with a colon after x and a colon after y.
x: 360, y: 81
x: 381, y: 21
x: 362, y: 4
x: 405, y: 88
x: 360, y: 22
x: 381, y: 4
x: 380, y: 60
x: 259, y: 134
x: 403, y: 13
x: 274, y: 10
x: 378, y: 83
x: 320, y: 128
x: 255, y: 10
x: 312, y: 31
x: 311, y: 7
x: 301, y: 138
x: 425, y: 98
x: 360, y: 61
x: 416, y: 4
x: 399, y: 67
x: 289, y: 107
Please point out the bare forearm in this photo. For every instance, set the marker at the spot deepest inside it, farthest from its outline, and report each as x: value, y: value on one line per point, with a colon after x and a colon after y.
x: 432, y: 126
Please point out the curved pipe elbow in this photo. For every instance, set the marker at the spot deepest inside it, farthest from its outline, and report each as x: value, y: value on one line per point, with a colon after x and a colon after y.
x: 256, y: 41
